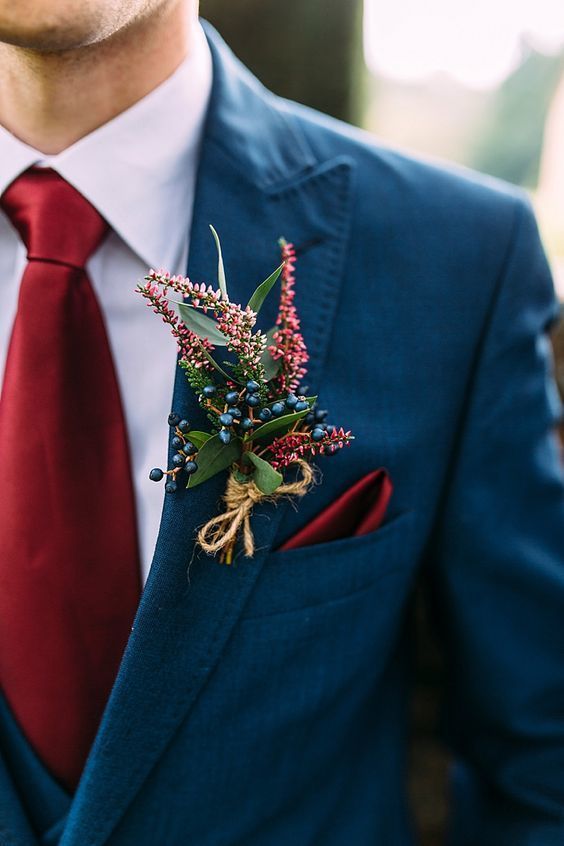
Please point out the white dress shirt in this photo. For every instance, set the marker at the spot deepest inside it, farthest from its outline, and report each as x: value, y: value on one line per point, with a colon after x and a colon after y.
x: 139, y: 171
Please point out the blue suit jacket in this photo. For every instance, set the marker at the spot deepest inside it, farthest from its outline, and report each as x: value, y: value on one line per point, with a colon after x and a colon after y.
x: 264, y: 704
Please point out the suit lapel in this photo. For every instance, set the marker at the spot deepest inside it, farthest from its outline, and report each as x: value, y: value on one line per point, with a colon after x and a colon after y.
x: 257, y: 181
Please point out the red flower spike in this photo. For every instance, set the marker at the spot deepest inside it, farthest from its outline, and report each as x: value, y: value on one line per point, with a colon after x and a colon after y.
x: 288, y: 343
x: 289, y: 448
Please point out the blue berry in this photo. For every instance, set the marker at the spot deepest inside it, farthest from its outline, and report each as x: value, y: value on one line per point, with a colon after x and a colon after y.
x: 309, y: 418
x: 320, y: 415
x: 209, y: 391
x: 265, y: 414
x: 329, y: 429
x: 225, y: 419
x: 246, y: 424
x: 184, y: 426
x: 177, y: 443
x: 189, y: 448
x: 291, y: 400
x: 235, y: 412
x: 317, y: 434
x: 224, y: 436
x: 331, y: 449
x: 156, y: 474
x: 278, y: 409
x: 190, y: 467
x: 252, y: 386
x: 232, y: 398
x: 301, y: 405
x: 171, y: 486
x: 252, y: 400
x: 173, y: 419
x: 178, y: 459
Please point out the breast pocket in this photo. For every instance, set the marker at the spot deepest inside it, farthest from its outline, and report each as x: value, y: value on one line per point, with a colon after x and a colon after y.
x: 313, y: 575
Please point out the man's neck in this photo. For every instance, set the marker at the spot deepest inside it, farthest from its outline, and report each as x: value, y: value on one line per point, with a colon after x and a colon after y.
x: 51, y: 100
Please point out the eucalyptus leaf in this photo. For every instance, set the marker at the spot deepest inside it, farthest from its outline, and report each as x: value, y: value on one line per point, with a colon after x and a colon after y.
x: 220, y: 268
x: 271, y: 333
x: 277, y: 424
x: 213, y: 457
x: 271, y: 366
x: 201, y: 325
x: 198, y: 438
x: 212, y: 360
x: 263, y: 290
x: 265, y: 477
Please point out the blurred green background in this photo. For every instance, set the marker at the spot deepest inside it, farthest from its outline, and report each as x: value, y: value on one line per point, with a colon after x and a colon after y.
x: 478, y: 84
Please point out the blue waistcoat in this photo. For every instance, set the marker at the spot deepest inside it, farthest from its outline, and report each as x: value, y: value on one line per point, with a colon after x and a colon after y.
x: 27, y: 788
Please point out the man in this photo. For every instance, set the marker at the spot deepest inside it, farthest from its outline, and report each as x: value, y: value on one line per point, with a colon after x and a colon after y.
x: 263, y: 703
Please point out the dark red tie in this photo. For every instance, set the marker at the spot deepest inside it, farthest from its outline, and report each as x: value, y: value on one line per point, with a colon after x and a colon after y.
x: 69, y: 569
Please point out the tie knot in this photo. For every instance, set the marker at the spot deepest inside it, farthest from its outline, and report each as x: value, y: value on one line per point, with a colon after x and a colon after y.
x: 54, y: 221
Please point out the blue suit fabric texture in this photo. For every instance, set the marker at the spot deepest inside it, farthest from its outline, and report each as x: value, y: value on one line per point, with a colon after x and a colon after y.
x: 266, y: 703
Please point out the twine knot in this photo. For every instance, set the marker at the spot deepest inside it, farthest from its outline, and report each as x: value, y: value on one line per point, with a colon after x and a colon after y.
x: 220, y: 533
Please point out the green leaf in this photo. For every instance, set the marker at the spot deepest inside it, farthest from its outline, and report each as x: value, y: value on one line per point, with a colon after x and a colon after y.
x: 271, y: 366
x: 277, y: 424
x: 212, y: 360
x: 198, y: 438
x: 265, y: 477
x: 213, y: 457
x: 263, y: 290
x: 201, y: 325
x: 220, y: 268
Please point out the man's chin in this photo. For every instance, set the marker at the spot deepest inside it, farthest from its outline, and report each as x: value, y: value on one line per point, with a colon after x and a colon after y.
x: 57, y: 25
x: 46, y: 39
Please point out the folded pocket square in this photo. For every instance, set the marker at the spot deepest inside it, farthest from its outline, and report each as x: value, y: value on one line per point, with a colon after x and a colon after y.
x: 357, y: 511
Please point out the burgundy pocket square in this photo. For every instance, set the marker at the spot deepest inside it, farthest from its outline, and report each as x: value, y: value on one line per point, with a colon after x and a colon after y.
x: 357, y: 511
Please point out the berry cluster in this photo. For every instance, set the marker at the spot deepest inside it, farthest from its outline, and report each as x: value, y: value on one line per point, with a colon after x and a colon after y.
x: 183, y: 459
x: 244, y: 410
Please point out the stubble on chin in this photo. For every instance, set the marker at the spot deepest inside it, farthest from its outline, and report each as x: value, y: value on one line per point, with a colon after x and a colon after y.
x: 57, y: 26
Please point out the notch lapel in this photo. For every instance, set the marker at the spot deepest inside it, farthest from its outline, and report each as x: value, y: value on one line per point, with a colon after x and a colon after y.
x: 257, y: 181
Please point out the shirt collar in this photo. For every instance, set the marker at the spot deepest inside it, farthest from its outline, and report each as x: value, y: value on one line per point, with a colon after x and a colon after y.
x: 139, y: 169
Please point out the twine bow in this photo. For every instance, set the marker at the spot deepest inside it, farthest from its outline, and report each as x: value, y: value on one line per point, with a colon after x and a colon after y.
x: 220, y: 533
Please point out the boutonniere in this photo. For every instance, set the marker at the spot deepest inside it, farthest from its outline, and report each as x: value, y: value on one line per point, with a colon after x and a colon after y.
x: 261, y: 423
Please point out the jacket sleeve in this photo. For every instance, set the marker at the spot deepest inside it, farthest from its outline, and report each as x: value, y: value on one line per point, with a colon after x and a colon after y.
x: 497, y: 564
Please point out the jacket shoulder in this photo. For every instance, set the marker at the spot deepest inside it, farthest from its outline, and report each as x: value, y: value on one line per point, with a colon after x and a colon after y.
x: 413, y: 188
x: 442, y: 232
